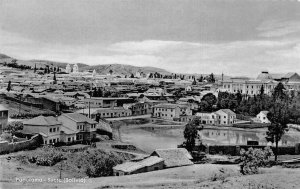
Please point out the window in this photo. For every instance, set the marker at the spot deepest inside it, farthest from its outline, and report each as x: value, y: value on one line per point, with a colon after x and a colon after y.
x: 50, y: 141
x: 50, y: 130
x: 224, y: 116
x: 54, y: 129
x: 57, y: 129
x: 77, y: 127
x: 45, y: 142
x: 69, y: 139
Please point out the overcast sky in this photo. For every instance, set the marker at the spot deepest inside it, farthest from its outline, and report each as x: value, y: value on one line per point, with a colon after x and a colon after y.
x: 237, y: 37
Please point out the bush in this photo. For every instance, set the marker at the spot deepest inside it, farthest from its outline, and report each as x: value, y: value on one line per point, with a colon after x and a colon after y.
x: 99, y: 163
x: 6, y: 137
x: 45, y: 156
x: 252, y: 159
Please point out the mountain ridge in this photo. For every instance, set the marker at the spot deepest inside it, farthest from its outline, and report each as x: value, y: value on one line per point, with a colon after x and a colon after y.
x: 125, y: 69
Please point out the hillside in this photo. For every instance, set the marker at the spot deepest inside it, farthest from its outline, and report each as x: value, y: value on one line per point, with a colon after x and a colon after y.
x: 101, y: 69
x: 123, y: 69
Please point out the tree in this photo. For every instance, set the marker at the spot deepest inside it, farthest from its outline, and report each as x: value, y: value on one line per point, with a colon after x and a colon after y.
x: 194, y: 82
x: 99, y: 92
x: 252, y: 159
x: 8, y: 86
x: 200, y: 79
x: 131, y: 76
x: 54, y: 79
x: 278, y: 116
x: 211, y: 78
x: 14, y: 126
x: 208, y: 101
x: 34, y: 68
x: 262, y: 91
x: 191, y: 133
x: 110, y: 72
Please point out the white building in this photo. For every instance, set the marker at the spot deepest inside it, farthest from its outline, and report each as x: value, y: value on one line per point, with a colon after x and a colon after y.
x: 94, y: 73
x: 262, y: 116
x: 220, y: 117
x: 68, y: 68
x: 75, y: 68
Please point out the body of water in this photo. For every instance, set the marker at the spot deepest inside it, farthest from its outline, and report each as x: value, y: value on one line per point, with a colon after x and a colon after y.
x: 149, y: 139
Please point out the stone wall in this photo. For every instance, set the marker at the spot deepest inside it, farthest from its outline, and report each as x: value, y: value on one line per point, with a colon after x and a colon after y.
x: 32, y: 143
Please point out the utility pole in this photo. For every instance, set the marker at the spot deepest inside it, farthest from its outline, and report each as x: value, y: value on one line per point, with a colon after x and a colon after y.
x: 20, y: 104
x: 60, y: 169
x: 90, y: 104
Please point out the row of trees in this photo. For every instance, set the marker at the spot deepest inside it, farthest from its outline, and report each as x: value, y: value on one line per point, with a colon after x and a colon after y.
x: 98, y: 92
x: 210, y: 78
x: 13, y: 64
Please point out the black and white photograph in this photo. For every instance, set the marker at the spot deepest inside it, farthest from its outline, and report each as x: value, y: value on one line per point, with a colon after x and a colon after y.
x: 140, y: 94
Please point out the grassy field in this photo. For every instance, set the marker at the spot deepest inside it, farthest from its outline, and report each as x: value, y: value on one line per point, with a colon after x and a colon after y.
x: 207, y: 176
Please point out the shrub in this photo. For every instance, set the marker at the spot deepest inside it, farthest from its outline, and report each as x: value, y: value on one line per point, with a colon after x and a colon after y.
x: 252, y: 159
x: 6, y: 137
x: 45, y: 156
x: 101, y: 164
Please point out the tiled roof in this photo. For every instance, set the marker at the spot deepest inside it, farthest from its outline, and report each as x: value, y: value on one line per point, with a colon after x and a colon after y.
x: 227, y: 111
x: 133, y: 166
x: 42, y: 121
x: 174, y: 157
x: 167, y: 105
x: 79, y: 118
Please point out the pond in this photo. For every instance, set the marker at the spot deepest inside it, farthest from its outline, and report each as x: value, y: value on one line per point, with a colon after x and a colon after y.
x: 149, y: 139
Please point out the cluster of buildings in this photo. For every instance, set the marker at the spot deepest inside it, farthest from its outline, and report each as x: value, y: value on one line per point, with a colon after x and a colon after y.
x: 168, y: 99
x: 265, y: 79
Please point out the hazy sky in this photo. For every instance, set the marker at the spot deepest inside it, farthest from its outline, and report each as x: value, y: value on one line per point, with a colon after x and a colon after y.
x: 237, y: 37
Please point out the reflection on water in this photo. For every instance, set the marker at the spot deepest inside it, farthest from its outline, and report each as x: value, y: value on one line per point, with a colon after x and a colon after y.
x: 149, y: 140
x: 240, y: 137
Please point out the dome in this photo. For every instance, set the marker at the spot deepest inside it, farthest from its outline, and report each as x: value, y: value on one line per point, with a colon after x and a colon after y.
x: 264, y: 76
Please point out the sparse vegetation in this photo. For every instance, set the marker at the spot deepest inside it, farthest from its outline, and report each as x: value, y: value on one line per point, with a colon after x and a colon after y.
x: 91, y: 162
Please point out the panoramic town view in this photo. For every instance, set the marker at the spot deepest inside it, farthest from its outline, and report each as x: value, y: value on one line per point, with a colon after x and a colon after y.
x: 150, y: 94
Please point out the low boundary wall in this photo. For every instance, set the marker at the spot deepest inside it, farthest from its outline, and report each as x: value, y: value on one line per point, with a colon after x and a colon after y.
x: 234, y: 150
x: 32, y: 143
